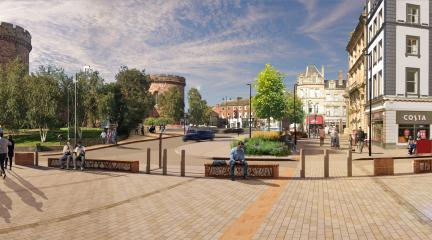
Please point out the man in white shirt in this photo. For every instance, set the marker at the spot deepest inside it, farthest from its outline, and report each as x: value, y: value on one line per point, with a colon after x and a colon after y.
x: 4, y: 143
x: 67, y: 155
x: 79, y: 153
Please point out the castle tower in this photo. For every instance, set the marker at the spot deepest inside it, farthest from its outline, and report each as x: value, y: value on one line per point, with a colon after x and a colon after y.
x: 160, y: 83
x: 15, y: 42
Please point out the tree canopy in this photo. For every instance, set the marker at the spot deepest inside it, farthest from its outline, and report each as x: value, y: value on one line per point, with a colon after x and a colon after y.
x: 172, y: 104
x: 197, y: 107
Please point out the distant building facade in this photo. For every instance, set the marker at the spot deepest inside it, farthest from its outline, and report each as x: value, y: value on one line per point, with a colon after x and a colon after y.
x: 161, y: 83
x: 399, y: 70
x: 356, y: 77
x: 235, y: 112
x: 335, y: 104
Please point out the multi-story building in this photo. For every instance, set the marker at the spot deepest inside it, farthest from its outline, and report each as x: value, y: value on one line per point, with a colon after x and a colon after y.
x: 323, y: 100
x: 399, y: 69
x: 356, y: 80
x: 236, y: 112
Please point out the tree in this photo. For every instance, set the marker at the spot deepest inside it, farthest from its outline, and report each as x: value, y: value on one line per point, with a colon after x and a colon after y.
x: 172, y: 104
x: 197, y: 107
x: 42, y: 101
x: 269, y: 102
x: 137, y: 100
x: 298, y: 114
x: 13, y: 94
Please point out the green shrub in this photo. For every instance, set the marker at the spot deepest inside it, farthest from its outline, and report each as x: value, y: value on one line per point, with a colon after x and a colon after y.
x: 266, y: 135
x: 258, y: 146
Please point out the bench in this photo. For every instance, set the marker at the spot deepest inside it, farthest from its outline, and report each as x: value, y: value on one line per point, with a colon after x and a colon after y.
x: 119, y: 165
x: 422, y: 165
x: 25, y: 158
x: 264, y: 170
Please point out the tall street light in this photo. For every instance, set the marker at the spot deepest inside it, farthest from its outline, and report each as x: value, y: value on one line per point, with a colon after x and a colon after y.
x: 250, y: 107
x: 75, y: 129
x: 68, y: 118
x: 369, y: 81
x: 295, y: 116
x: 308, y: 118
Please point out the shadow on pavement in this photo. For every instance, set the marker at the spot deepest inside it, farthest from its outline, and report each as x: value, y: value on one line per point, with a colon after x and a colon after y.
x: 28, y: 185
x: 25, y: 195
x: 5, y: 206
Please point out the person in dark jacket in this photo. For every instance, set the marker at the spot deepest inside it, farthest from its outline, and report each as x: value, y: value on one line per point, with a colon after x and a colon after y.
x: 11, y: 149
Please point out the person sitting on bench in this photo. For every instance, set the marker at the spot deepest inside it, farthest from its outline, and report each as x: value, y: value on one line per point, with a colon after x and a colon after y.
x: 79, y: 154
x: 238, y: 157
x: 66, y: 156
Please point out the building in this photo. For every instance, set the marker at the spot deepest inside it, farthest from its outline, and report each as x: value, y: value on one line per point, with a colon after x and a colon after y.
x: 15, y: 42
x: 356, y: 76
x: 160, y: 83
x: 399, y: 70
x: 236, y: 112
x: 322, y: 99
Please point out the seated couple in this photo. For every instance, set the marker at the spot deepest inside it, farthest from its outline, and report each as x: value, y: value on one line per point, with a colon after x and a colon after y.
x: 78, y: 154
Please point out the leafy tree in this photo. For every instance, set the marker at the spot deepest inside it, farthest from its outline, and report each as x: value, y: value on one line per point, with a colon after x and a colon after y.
x: 13, y: 95
x: 42, y: 100
x: 269, y: 102
x: 172, y: 104
x: 298, y: 114
x: 137, y: 100
x: 197, y: 107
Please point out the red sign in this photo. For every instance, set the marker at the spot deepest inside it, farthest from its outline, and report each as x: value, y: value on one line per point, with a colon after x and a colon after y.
x: 318, y: 120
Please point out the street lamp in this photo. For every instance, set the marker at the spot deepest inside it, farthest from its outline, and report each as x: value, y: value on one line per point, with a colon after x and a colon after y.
x: 308, y: 118
x: 250, y: 107
x: 75, y: 129
x: 369, y: 81
x: 295, y: 116
x: 315, y: 111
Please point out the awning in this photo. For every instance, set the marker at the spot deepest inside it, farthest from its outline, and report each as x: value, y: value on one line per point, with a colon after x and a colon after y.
x: 318, y: 119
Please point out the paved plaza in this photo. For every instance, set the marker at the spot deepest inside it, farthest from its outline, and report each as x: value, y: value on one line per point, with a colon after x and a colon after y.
x: 47, y: 203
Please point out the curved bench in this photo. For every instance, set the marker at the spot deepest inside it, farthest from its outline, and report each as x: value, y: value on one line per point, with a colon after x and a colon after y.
x: 262, y: 170
x: 118, y: 165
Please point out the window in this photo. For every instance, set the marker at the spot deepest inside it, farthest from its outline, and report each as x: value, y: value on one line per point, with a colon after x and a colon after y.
x: 413, y: 14
x: 412, y: 45
x: 380, y: 84
x: 415, y: 131
x: 412, y: 75
x: 380, y: 19
x: 374, y: 55
x: 235, y: 108
x: 375, y: 26
x: 380, y: 51
x: 374, y: 84
x: 245, y: 107
x: 370, y: 33
x: 240, y: 108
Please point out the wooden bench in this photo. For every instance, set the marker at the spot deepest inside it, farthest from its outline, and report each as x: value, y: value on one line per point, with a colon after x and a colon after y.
x: 422, y: 165
x: 119, y: 165
x: 25, y: 158
x: 264, y: 170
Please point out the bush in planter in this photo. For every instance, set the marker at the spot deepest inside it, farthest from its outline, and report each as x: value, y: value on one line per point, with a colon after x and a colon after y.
x: 266, y: 135
x: 258, y: 146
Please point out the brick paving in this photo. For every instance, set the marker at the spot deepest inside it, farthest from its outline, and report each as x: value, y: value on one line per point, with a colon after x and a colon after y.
x: 43, y: 203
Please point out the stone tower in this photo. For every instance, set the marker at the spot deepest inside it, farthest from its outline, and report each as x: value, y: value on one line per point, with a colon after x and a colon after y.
x: 161, y: 83
x: 15, y: 42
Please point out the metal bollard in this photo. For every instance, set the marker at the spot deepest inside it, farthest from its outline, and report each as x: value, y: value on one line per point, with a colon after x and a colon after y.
x: 164, y: 167
x: 148, y: 161
x: 303, y: 164
x: 349, y: 162
x: 182, y: 163
x: 326, y: 163
x: 160, y: 150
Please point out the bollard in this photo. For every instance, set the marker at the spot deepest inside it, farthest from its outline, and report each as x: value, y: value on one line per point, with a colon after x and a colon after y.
x: 36, y: 158
x: 349, y: 162
x: 160, y: 150
x: 182, y: 163
x: 164, y: 165
x: 326, y: 163
x: 303, y: 164
x: 148, y: 161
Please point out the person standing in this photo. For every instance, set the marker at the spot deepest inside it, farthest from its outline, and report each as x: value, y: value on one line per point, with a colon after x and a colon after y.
x: 4, y: 143
x: 142, y: 130
x: 360, y: 138
x: 79, y: 154
x: 103, y: 136
x: 66, y: 155
x: 11, y: 149
x: 238, y: 157
x: 322, y: 136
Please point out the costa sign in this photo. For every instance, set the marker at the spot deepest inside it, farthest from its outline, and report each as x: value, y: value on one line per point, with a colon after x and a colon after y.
x: 410, y: 117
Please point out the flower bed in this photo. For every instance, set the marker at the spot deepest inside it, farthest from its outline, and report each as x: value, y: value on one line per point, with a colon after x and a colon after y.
x: 265, y: 143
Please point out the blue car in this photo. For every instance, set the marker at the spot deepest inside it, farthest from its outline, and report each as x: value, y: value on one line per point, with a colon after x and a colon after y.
x: 199, y: 135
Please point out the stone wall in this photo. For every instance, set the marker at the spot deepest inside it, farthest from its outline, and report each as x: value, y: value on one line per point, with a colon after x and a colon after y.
x: 15, y: 41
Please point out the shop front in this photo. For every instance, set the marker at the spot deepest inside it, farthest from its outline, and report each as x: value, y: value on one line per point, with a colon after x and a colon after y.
x: 413, y: 124
x: 314, y: 122
x: 377, y: 126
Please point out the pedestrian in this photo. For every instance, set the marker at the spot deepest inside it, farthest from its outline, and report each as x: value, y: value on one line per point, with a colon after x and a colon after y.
x: 136, y: 130
x: 360, y: 139
x: 114, y: 136
x: 238, y: 157
x: 332, y: 137
x: 103, y: 136
x: 337, y: 139
x: 142, y: 130
x: 11, y: 149
x: 66, y: 155
x: 4, y: 143
x: 109, y: 136
x: 79, y: 154
x: 322, y: 136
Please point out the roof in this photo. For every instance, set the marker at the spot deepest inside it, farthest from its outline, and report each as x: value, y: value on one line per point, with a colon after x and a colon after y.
x: 311, y: 70
x: 327, y: 84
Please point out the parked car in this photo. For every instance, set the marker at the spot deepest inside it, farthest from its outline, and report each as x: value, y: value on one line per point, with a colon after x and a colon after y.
x: 234, y: 130
x: 199, y: 135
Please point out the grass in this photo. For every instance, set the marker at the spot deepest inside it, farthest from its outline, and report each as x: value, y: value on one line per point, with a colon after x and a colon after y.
x: 31, y: 137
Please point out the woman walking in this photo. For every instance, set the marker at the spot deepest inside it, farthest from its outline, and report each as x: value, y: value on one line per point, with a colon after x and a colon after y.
x: 11, y: 148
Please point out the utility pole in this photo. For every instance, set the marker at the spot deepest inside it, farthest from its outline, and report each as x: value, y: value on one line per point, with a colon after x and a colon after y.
x: 295, y: 116
x: 250, y: 110
x: 75, y: 129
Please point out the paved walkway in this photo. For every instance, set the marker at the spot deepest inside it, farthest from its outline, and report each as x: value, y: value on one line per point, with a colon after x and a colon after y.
x: 43, y: 203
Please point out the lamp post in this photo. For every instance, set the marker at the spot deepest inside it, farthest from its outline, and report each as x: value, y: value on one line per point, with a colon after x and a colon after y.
x: 295, y: 116
x: 68, y: 124
x: 369, y: 81
x: 308, y: 118
x: 315, y: 111
x: 75, y: 129
x: 250, y: 109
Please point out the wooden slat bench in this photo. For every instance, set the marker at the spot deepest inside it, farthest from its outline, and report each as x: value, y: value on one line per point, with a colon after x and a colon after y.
x: 262, y: 170
x: 422, y: 165
x: 119, y: 165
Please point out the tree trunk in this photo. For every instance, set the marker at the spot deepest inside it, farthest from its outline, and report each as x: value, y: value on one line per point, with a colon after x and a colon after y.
x: 268, y: 124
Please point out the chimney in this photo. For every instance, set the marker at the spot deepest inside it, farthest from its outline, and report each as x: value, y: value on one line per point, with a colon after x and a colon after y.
x: 340, y: 78
x: 322, y: 71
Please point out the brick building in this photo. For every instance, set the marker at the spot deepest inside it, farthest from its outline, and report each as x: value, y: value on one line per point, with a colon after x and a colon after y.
x: 236, y: 112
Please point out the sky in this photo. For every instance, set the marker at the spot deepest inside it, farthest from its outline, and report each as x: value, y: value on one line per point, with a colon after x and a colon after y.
x: 217, y: 45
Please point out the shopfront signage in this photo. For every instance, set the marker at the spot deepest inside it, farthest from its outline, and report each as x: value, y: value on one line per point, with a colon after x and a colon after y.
x: 410, y: 117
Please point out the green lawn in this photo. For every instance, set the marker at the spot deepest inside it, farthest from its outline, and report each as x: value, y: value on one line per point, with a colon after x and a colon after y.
x: 31, y: 137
